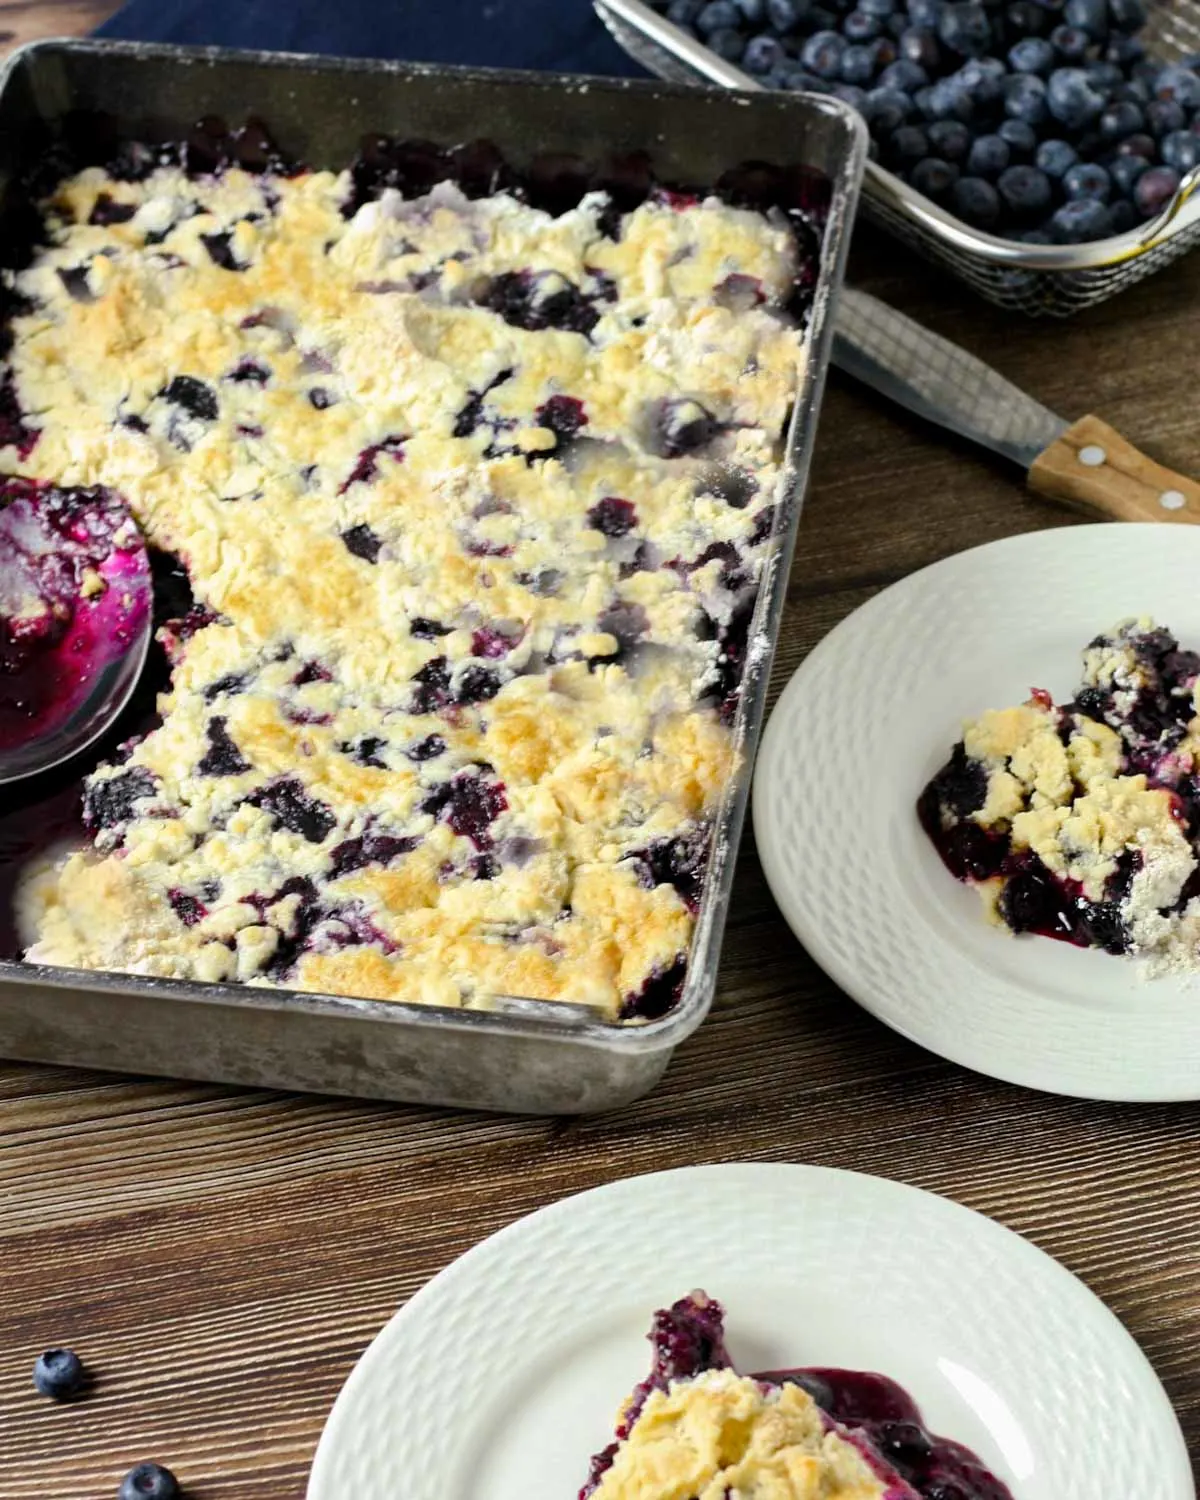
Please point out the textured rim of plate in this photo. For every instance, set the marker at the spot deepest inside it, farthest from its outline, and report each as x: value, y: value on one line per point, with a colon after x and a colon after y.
x: 854, y: 909
x: 403, y: 1417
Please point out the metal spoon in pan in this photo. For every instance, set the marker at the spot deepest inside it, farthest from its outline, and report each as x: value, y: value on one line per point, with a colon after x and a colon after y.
x: 75, y: 620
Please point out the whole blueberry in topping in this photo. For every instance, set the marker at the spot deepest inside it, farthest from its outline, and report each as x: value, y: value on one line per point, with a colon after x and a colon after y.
x: 362, y: 542
x: 612, y: 516
x: 149, y: 1482
x: 433, y: 686
x: 563, y: 415
x: 371, y: 848
x: 429, y: 748
x: 683, y: 426
x: 194, y: 397
x: 292, y: 808
x: 222, y: 758
x: 59, y: 1374
x: 659, y: 993
x: 493, y: 643
x: 320, y: 398
x: 427, y: 630
x: 220, y: 249
x: 476, y: 685
x: 111, y: 802
x: 366, y: 751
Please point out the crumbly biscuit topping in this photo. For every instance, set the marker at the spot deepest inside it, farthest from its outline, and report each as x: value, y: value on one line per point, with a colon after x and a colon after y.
x: 472, y: 500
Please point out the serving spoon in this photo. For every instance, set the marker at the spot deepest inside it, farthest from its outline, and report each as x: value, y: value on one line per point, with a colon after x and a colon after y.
x: 75, y: 620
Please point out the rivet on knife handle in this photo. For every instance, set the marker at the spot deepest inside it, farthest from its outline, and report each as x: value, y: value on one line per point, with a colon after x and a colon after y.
x: 1092, y: 468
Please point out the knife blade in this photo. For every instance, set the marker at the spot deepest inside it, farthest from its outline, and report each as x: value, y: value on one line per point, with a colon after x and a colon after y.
x: 1085, y: 464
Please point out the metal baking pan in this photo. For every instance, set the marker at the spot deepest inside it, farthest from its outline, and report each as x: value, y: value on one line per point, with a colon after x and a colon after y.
x: 1050, y: 280
x: 527, y: 1056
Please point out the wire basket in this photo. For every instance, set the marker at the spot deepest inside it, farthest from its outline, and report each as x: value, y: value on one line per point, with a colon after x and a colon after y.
x: 1041, y: 280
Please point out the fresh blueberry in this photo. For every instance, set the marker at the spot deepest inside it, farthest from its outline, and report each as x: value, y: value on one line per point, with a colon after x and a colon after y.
x: 786, y: 15
x: 1133, y: 91
x: 1080, y: 220
x: 1125, y: 171
x: 948, y: 100
x: 1071, y: 98
x: 1124, y: 50
x: 879, y: 8
x: 951, y: 140
x: 726, y: 42
x: 59, y: 1374
x: 717, y: 15
x: 1120, y: 120
x: 1019, y: 136
x: 1089, y: 15
x: 1127, y: 15
x: 1105, y: 77
x: 1164, y: 117
x: 925, y: 13
x: 858, y: 65
x: 933, y: 177
x: 1142, y: 145
x: 1055, y: 157
x: 751, y: 11
x: 1178, y: 85
x: 1030, y: 237
x: 1033, y: 55
x: 684, y: 12
x: 920, y: 46
x: 822, y: 54
x: 984, y: 84
x: 1026, y: 18
x: 1070, y: 43
x: 1026, y: 192
x: 977, y: 202
x: 907, y: 146
x: 1087, y: 179
x: 850, y: 94
x: 149, y: 1482
x: 762, y: 54
x: 886, y: 109
x: 1123, y: 215
x: 1181, y: 150
x: 905, y: 76
x: 1154, y: 190
x: 799, y: 80
x: 988, y: 156
x: 964, y: 28
x: 1025, y: 98
x: 861, y: 26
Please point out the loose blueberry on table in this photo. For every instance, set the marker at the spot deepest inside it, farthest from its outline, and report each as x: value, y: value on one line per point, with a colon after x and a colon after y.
x: 59, y: 1374
x: 467, y: 588
x: 1082, y: 821
x: 1076, y: 77
x: 696, y: 1424
x: 149, y: 1481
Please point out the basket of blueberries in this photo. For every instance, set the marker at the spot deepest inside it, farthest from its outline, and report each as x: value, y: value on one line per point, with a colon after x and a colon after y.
x: 1045, y: 151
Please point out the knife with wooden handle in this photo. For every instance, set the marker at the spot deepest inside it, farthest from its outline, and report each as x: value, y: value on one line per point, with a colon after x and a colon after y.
x: 1084, y: 464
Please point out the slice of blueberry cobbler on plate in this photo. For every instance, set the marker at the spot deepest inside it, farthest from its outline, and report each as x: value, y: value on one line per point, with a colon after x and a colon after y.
x: 695, y: 1429
x: 472, y: 492
x: 1082, y: 821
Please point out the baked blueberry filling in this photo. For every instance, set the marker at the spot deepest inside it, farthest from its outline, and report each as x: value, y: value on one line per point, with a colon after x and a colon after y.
x: 870, y: 1413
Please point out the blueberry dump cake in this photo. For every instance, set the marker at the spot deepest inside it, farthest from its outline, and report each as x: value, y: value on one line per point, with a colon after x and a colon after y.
x: 695, y: 1429
x: 1082, y: 821
x: 471, y: 477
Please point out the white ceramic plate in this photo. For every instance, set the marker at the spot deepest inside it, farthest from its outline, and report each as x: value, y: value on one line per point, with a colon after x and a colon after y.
x: 871, y: 715
x: 502, y: 1376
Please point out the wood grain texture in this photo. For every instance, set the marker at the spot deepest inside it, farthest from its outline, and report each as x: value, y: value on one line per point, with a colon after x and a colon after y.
x: 1092, y: 469
x: 222, y: 1258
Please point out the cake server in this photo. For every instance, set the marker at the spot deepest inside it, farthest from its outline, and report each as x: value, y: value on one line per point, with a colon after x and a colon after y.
x: 1084, y: 464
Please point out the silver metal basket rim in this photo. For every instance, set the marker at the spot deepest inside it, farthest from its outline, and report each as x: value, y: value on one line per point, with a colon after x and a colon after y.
x: 883, y: 186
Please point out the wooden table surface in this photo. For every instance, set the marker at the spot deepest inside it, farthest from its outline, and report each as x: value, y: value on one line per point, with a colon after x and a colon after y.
x: 222, y: 1257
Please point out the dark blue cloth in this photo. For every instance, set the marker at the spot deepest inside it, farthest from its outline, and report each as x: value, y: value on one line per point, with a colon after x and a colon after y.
x: 560, y: 35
